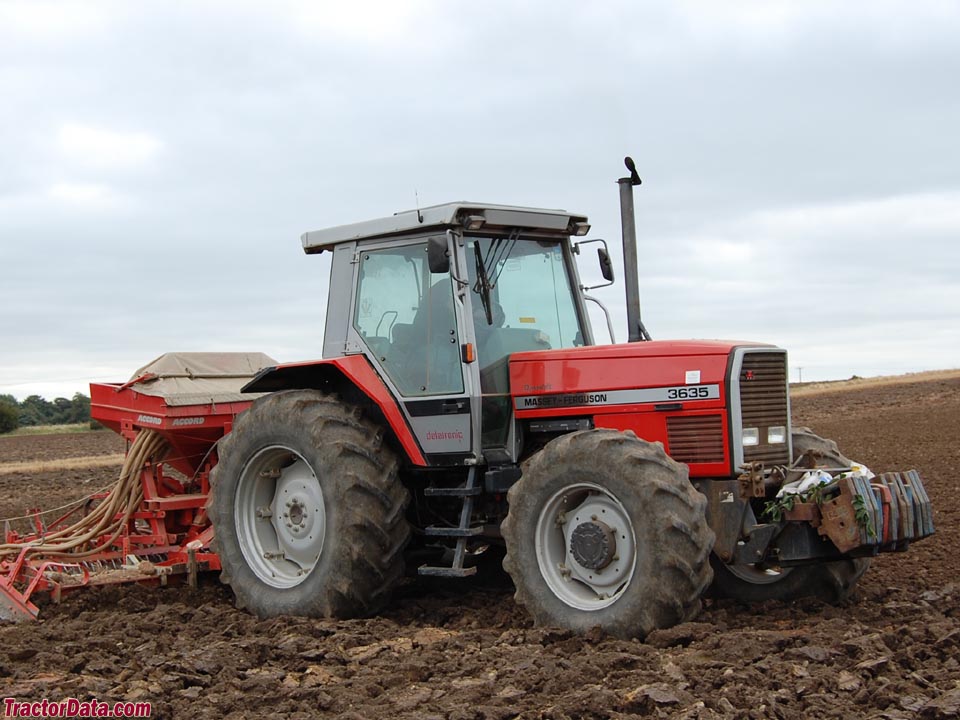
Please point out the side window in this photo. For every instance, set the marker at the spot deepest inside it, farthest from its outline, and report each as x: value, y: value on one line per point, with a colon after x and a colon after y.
x: 406, y: 318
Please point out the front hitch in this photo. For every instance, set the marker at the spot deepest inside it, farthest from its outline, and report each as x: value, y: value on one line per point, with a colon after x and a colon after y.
x: 854, y: 515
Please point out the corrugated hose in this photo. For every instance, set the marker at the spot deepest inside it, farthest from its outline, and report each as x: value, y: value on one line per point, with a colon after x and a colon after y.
x: 109, y: 518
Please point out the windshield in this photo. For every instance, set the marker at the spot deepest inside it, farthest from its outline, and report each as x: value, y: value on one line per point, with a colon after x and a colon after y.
x: 531, y: 305
x: 521, y: 299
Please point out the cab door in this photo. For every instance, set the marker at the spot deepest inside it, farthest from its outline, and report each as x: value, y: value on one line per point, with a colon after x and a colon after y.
x: 410, y: 323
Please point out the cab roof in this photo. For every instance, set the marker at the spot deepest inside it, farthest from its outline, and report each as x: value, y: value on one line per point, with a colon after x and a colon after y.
x: 441, y: 217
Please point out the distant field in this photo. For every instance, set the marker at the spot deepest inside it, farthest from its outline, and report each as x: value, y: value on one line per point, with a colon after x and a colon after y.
x: 859, y: 383
x: 53, y: 429
x: 32, y: 467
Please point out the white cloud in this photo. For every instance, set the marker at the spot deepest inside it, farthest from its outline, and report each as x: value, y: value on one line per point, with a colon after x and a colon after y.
x: 715, y: 251
x: 369, y: 22
x: 769, y: 22
x: 877, y: 217
x: 87, y: 196
x: 49, y: 19
x: 50, y: 376
x: 107, y: 149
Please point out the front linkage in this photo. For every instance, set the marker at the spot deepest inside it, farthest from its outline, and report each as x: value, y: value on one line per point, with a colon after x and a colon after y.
x: 860, y: 514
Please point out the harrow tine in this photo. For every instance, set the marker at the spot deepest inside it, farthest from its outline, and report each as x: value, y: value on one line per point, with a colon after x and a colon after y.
x: 925, y: 512
x: 894, y: 510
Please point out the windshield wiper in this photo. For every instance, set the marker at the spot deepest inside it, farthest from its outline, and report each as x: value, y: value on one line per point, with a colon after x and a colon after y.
x: 482, y: 286
x: 497, y: 255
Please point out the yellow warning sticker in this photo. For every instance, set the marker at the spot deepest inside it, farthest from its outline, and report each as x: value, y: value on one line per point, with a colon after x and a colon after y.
x: 528, y: 320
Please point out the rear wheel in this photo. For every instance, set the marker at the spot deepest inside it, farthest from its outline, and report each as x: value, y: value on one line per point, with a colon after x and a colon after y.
x: 604, y: 529
x: 307, y: 509
x: 832, y: 582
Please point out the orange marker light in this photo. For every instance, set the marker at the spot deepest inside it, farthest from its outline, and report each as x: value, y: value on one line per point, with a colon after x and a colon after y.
x: 468, y: 354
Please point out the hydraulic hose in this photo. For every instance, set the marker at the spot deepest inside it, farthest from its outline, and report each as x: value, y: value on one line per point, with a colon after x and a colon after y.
x: 105, y: 522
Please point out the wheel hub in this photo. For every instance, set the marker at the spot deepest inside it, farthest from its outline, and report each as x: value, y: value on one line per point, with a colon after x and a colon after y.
x: 298, y: 495
x: 280, y: 516
x: 296, y: 514
x: 593, y: 544
x: 586, y: 546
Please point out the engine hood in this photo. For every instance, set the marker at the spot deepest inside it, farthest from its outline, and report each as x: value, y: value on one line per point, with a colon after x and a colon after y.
x: 661, y: 363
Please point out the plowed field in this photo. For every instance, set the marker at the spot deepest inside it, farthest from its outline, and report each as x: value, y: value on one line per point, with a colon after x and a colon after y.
x: 464, y: 650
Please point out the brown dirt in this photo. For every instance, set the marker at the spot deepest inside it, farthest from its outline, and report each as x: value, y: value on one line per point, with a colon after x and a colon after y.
x: 466, y: 651
x: 51, y: 489
x: 20, y: 448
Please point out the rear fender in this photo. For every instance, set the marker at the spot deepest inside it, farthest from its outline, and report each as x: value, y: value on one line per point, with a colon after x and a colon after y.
x: 353, y: 378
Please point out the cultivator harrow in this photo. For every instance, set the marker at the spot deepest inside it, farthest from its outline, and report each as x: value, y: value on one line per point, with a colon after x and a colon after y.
x: 864, y: 516
x: 152, y: 525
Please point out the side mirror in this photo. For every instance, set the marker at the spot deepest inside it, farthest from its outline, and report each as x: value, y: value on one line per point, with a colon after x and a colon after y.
x: 606, y: 267
x: 438, y: 255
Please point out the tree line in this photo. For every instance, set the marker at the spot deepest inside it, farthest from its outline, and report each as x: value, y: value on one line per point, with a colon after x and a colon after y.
x: 36, y: 410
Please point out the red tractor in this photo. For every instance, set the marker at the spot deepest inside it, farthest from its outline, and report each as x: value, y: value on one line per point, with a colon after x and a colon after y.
x: 462, y: 402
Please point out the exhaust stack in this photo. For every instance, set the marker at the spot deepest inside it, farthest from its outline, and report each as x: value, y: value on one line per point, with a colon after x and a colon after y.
x: 636, y: 332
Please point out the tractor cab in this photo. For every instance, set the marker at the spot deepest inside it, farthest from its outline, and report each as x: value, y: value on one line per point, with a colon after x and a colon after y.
x: 439, y: 298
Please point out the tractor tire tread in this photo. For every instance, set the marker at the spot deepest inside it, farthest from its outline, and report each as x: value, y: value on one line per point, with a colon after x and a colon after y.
x: 673, y: 524
x: 367, y: 531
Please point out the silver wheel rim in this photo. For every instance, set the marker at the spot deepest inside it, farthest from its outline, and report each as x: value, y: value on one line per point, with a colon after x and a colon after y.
x: 574, y: 584
x: 760, y: 575
x: 280, y: 516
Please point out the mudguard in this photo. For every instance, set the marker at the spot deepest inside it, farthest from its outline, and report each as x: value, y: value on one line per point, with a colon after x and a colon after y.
x: 331, y: 375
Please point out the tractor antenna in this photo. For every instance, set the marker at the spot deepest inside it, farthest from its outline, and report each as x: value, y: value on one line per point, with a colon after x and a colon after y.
x: 636, y: 332
x: 416, y: 198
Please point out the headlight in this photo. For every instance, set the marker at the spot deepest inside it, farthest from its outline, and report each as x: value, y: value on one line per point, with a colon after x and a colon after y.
x: 751, y: 436
x: 776, y: 435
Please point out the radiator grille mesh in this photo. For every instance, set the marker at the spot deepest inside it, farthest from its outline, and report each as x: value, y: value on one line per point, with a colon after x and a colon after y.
x: 763, y: 404
x: 695, y: 439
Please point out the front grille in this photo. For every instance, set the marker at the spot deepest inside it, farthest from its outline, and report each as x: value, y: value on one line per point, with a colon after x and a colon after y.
x: 696, y: 438
x: 763, y: 404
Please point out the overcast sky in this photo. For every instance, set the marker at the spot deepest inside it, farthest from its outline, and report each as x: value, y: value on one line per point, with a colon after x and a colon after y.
x: 158, y: 162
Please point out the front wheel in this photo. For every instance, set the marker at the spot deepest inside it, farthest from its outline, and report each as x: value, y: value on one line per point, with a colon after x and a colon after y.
x: 830, y: 581
x: 307, y: 509
x: 823, y: 451
x: 606, y: 530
